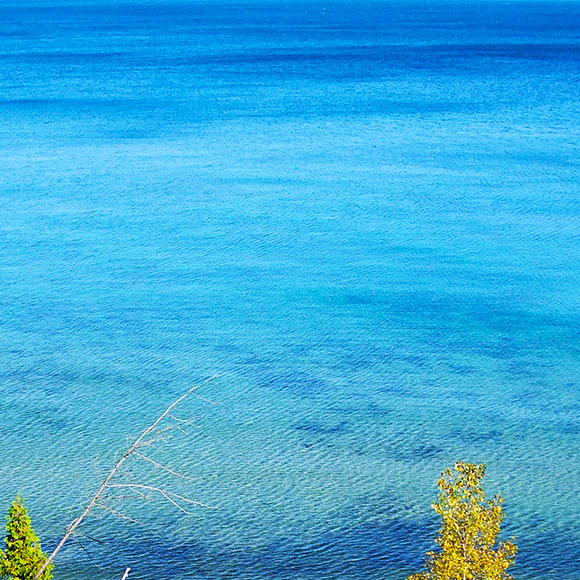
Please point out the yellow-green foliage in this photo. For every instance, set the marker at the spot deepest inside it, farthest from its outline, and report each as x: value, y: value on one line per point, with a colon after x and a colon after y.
x: 22, y: 558
x: 468, y: 536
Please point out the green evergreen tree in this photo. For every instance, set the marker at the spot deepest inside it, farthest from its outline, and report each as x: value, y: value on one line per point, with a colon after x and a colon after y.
x: 22, y: 558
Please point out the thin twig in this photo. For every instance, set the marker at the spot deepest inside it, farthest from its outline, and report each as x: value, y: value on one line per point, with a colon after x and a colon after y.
x: 215, y: 403
x: 164, y: 467
x: 187, y: 421
x: 118, y: 514
x: 138, y: 442
x: 163, y: 492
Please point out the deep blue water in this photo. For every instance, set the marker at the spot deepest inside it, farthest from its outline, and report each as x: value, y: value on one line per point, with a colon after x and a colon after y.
x: 363, y: 216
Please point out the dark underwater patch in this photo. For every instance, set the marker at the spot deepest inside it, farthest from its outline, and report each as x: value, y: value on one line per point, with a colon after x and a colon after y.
x: 321, y: 429
x: 478, y: 436
x: 570, y: 427
x: 552, y: 555
x: 427, y: 451
x: 463, y: 370
x: 298, y: 383
x: 358, y: 551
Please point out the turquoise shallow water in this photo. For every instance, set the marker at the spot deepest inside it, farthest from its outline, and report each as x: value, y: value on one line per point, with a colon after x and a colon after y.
x: 364, y: 218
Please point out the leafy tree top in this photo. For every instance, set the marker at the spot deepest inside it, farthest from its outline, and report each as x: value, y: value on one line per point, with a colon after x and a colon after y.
x: 470, y: 525
x: 22, y: 558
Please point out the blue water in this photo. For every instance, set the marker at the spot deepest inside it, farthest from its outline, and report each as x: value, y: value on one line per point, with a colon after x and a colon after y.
x: 363, y: 216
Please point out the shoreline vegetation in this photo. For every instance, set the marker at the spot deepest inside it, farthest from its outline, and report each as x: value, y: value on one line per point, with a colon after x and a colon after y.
x: 468, y: 546
x: 470, y: 525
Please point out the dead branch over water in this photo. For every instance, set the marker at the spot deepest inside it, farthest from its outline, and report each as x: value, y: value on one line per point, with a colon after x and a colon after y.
x: 139, y: 443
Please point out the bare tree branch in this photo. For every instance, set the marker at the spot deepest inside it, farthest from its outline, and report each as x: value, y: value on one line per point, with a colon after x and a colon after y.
x: 187, y: 421
x: 205, y: 400
x: 117, y: 514
x: 164, y: 467
x: 96, y: 466
x: 106, y: 482
x: 164, y: 493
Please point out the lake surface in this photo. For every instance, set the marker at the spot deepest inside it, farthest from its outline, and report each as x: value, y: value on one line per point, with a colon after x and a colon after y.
x: 363, y: 216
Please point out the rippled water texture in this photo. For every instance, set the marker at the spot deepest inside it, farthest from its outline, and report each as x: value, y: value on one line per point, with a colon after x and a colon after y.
x: 363, y: 216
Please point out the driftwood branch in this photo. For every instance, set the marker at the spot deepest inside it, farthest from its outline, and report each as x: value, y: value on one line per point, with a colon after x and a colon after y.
x: 138, y: 443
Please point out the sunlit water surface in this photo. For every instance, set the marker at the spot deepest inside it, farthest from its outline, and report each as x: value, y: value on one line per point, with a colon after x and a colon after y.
x: 364, y: 217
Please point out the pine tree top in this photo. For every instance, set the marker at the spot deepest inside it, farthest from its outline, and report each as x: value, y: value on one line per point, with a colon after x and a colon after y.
x: 22, y: 557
